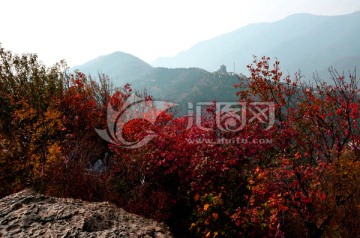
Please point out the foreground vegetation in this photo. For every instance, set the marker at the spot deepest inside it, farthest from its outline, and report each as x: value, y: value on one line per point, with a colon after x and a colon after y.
x: 305, y: 183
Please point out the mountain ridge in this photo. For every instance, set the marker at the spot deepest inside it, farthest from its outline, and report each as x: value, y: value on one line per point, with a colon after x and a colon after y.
x: 120, y: 66
x: 300, y: 41
x: 180, y: 85
x: 305, y: 42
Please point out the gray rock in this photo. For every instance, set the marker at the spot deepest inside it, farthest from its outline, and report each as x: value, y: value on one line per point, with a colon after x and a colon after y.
x: 28, y: 214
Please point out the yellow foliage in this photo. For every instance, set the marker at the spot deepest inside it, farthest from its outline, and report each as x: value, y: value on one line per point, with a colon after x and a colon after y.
x: 196, y: 197
x: 54, y: 155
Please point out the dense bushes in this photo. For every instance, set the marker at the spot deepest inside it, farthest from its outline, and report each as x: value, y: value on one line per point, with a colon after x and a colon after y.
x: 298, y: 184
x: 298, y: 178
x: 47, y: 121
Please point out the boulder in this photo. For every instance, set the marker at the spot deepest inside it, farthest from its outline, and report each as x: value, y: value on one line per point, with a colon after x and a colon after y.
x: 29, y: 214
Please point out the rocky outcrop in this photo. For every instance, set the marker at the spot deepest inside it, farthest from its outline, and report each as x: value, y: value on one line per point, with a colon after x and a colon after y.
x: 28, y: 214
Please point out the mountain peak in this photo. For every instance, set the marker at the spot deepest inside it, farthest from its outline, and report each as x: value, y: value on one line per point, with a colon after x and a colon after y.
x: 120, y: 53
x: 300, y: 41
x: 120, y: 66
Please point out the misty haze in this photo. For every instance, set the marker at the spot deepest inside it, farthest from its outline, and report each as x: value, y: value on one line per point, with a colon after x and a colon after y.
x: 180, y: 119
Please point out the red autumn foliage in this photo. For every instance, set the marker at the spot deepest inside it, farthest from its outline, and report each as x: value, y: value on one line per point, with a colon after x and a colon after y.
x: 298, y: 178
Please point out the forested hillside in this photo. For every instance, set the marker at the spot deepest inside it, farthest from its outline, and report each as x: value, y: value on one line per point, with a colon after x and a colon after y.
x: 283, y: 163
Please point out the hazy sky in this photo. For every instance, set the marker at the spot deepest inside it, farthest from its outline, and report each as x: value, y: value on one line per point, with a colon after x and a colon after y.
x: 79, y: 30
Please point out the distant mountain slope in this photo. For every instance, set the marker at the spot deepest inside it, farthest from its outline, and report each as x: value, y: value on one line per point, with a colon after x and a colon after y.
x: 188, y: 85
x: 300, y: 41
x: 121, y: 67
x: 180, y: 85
